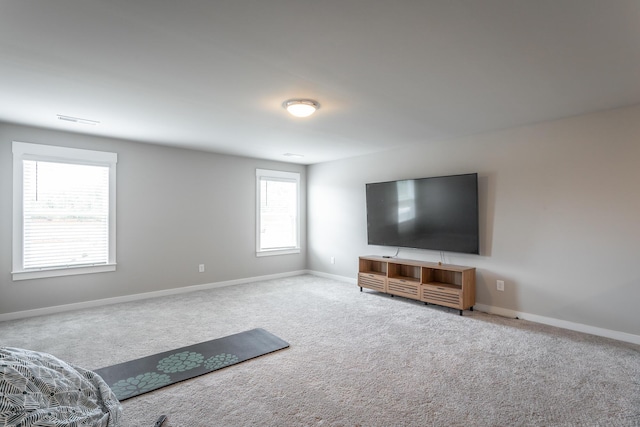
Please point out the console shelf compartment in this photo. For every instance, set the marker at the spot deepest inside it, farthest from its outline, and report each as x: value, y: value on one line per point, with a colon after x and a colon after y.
x: 372, y: 274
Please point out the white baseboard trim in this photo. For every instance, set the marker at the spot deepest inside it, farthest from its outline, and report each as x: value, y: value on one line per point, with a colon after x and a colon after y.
x: 136, y: 297
x: 351, y: 280
x: 572, y: 326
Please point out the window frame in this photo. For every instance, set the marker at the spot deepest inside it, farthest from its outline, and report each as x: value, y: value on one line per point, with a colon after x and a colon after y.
x: 276, y: 175
x: 28, y: 151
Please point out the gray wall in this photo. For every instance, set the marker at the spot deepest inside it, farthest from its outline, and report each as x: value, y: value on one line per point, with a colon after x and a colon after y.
x: 560, y: 215
x: 176, y: 209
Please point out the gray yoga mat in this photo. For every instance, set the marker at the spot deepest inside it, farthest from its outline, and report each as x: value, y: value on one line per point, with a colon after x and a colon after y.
x: 133, y: 378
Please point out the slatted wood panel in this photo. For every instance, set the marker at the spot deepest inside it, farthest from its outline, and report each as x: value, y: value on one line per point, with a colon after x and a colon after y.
x: 372, y: 281
x: 441, y: 294
x: 404, y: 288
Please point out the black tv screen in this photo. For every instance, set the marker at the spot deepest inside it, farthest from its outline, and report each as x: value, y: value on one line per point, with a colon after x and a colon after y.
x: 439, y: 213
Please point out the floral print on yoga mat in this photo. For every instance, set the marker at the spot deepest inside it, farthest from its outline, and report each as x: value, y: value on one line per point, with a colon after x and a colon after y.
x: 178, y: 362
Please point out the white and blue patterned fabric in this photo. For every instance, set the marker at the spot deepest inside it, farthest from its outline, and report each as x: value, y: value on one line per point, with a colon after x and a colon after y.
x: 40, y: 390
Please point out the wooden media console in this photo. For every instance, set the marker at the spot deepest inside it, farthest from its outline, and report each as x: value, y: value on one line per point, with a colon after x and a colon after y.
x: 433, y: 283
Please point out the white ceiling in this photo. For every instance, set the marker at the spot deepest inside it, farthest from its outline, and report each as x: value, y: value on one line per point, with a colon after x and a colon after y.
x: 212, y: 75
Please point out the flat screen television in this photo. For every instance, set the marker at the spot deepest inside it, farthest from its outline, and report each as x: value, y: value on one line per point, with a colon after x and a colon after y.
x: 438, y: 213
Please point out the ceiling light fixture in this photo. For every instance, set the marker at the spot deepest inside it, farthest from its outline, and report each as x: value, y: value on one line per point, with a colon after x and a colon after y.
x: 78, y: 120
x: 301, y: 107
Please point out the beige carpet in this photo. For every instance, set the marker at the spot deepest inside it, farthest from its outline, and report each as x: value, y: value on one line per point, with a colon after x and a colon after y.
x: 356, y: 359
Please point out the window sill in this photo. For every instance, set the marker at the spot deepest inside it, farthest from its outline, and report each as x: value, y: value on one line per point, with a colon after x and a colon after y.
x: 64, y: 271
x: 278, y: 252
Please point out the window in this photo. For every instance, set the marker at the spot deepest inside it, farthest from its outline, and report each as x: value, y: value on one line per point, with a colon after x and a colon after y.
x: 278, y: 211
x: 63, y: 211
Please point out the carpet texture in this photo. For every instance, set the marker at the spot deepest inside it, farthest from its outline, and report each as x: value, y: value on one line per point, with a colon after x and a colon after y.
x: 146, y: 374
x: 356, y: 359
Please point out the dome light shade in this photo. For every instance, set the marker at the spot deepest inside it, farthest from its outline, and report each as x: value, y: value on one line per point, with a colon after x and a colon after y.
x: 301, y: 107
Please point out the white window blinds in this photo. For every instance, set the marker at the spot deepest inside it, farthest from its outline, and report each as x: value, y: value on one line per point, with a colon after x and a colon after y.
x: 66, y: 214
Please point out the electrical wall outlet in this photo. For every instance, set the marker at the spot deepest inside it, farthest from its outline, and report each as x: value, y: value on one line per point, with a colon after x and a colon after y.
x: 500, y: 285
x: 201, y: 268
x: 333, y: 260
